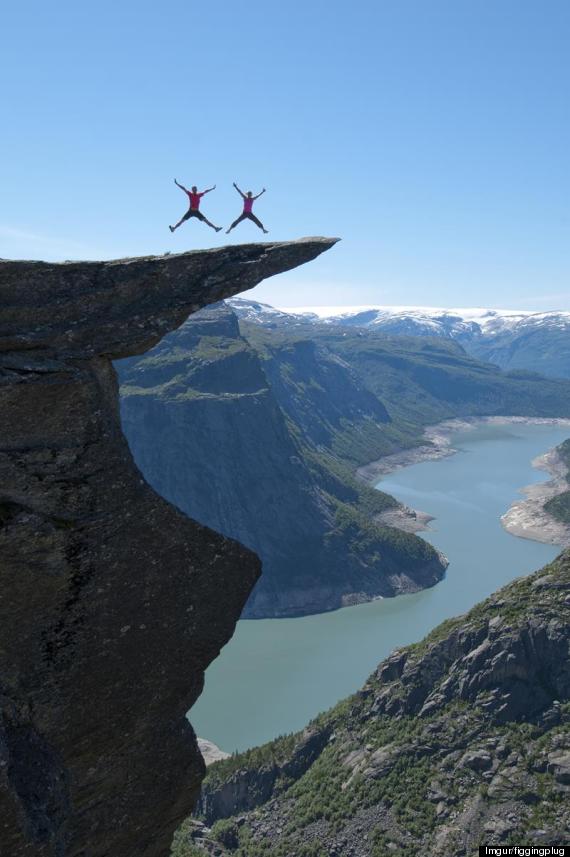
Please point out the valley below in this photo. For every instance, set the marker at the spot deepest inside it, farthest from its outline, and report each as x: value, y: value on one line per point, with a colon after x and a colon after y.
x: 528, y: 518
x: 258, y: 431
x: 263, y: 436
x: 374, y: 475
x: 276, y: 675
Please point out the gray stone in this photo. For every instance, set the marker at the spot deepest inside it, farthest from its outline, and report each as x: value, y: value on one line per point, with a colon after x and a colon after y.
x: 113, y: 602
x: 559, y: 767
x: 477, y: 760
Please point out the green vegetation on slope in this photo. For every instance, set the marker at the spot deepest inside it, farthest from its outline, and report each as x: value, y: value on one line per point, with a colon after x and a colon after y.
x: 419, y: 381
x: 460, y: 740
x: 257, y: 433
x: 559, y: 506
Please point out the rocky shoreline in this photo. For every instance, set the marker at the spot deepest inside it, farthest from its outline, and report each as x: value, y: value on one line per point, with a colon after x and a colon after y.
x: 526, y: 518
x: 322, y: 599
x: 437, y: 445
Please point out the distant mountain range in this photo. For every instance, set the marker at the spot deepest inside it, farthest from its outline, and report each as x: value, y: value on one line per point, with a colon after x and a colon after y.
x: 512, y: 339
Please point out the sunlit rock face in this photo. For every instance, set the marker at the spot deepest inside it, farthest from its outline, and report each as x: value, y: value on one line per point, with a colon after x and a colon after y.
x: 112, y: 602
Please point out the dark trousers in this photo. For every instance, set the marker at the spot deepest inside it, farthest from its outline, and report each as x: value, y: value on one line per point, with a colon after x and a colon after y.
x: 247, y: 215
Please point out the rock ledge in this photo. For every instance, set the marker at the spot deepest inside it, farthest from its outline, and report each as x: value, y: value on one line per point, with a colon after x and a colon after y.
x: 110, y: 609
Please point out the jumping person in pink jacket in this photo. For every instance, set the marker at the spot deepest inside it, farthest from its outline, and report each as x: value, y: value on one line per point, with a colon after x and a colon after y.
x: 194, y: 211
x: 247, y: 213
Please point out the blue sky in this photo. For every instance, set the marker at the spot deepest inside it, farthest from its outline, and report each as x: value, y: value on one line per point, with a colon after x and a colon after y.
x: 431, y: 135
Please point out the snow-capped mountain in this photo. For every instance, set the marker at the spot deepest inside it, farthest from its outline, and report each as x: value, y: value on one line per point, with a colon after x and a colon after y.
x: 268, y: 315
x: 436, y: 320
x: 514, y: 339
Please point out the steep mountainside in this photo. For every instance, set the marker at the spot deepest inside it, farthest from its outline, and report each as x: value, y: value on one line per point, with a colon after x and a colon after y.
x: 418, y: 381
x: 460, y: 740
x: 209, y: 429
x: 559, y: 506
x: 257, y: 432
x: 538, y: 345
x: 538, y: 342
x: 113, y: 602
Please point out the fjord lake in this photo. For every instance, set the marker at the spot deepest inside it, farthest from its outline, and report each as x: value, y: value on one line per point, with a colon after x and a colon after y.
x: 276, y: 674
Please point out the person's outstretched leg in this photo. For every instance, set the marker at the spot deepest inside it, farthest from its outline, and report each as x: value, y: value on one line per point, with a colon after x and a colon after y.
x: 235, y: 223
x: 205, y: 220
x: 258, y: 222
x: 180, y: 222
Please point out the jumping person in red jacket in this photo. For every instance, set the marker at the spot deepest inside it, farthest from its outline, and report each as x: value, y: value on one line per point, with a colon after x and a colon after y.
x: 247, y: 213
x: 194, y: 210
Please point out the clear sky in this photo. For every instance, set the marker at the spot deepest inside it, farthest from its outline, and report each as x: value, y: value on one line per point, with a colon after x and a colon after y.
x: 433, y: 136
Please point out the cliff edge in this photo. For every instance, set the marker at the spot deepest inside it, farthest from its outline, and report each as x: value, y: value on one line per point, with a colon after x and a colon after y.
x: 112, y: 602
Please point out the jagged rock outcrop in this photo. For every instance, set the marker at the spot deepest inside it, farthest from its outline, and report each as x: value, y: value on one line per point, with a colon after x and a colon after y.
x: 112, y: 602
x: 460, y: 740
x: 249, y: 787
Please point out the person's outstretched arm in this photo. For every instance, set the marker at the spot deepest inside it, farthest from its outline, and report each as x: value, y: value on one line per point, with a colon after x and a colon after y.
x: 181, y: 186
x: 208, y: 190
x: 241, y: 193
x: 259, y: 194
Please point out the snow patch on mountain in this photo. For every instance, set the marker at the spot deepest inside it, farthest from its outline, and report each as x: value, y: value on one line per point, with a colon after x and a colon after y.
x: 512, y: 339
x: 419, y: 319
x: 261, y: 313
x: 487, y: 319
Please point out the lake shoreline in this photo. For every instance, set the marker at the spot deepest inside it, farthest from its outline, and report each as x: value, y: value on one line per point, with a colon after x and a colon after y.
x: 528, y: 518
x: 277, y: 676
x: 525, y: 518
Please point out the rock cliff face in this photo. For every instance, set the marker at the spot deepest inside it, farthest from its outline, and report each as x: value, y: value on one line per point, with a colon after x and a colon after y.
x: 112, y: 601
x: 246, y: 455
x: 461, y: 740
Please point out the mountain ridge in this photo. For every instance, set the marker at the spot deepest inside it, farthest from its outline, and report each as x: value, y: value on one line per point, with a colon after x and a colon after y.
x: 514, y: 339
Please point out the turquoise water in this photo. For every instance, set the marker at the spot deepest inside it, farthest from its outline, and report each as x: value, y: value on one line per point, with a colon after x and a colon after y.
x: 276, y: 674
